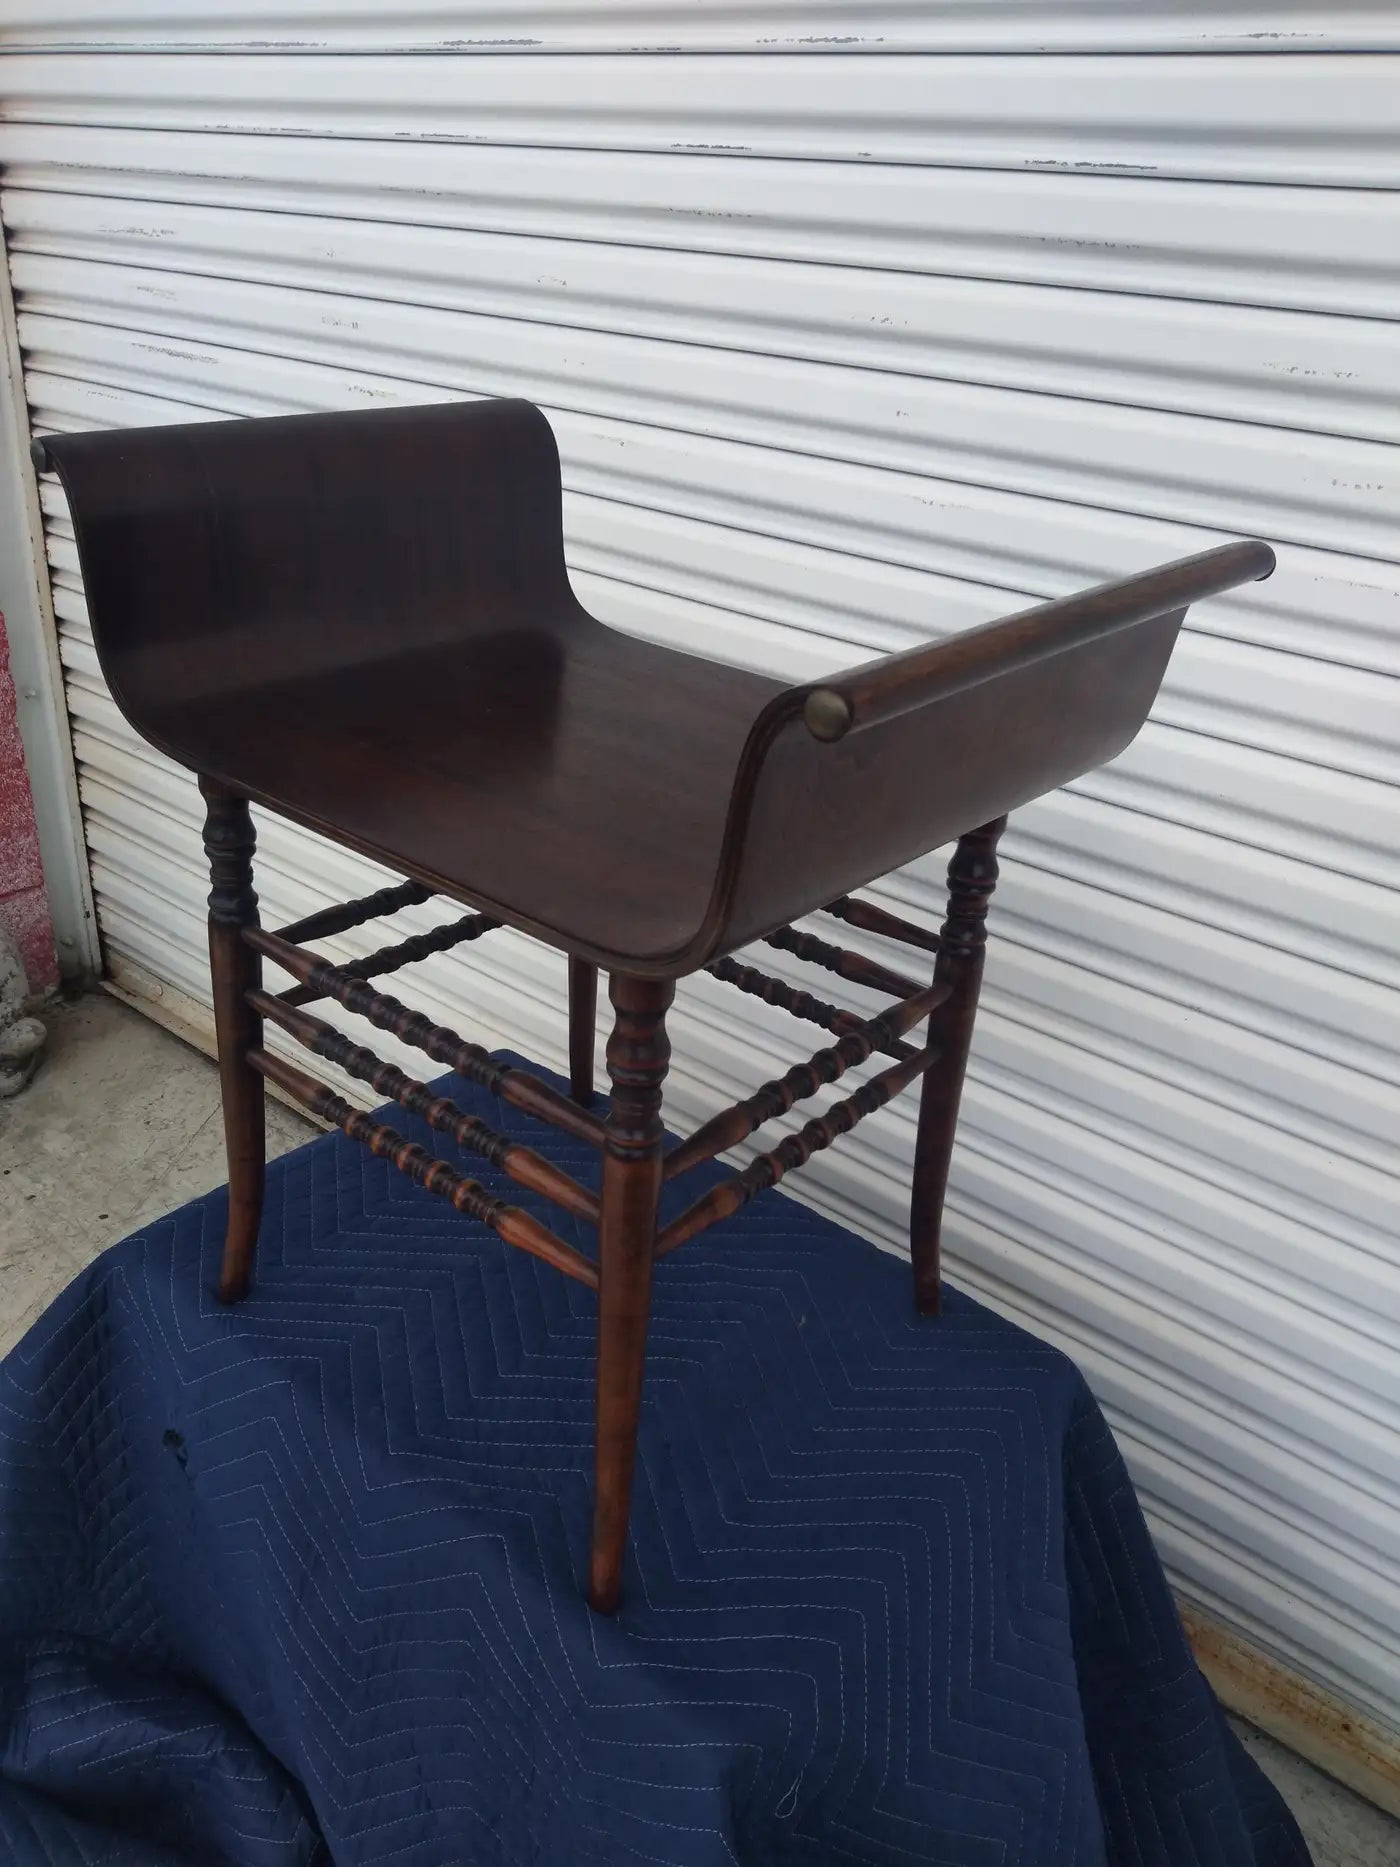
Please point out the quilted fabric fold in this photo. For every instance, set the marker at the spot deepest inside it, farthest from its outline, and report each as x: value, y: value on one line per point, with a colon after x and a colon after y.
x: 302, y: 1581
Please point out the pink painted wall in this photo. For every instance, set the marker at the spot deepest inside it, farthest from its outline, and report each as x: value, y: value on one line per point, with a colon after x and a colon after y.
x: 24, y: 905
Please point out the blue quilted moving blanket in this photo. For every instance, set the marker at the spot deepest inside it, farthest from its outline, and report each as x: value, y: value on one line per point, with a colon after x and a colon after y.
x: 302, y: 1581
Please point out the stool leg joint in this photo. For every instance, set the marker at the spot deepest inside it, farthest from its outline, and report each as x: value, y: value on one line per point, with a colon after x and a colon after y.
x: 637, y: 1055
x: 962, y: 941
x: 583, y: 1019
x: 235, y: 972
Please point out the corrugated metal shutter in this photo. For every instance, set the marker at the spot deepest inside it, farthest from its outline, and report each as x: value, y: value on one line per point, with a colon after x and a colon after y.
x: 858, y: 323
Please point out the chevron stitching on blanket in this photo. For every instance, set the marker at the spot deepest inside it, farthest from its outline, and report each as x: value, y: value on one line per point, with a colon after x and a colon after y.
x: 302, y: 1581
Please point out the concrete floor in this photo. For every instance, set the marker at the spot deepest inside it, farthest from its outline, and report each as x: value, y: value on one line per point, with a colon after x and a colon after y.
x: 122, y: 1123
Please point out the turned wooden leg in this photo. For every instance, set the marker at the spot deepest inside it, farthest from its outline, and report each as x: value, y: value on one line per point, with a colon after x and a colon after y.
x: 583, y: 1020
x: 962, y: 943
x: 638, y: 1053
x: 236, y: 970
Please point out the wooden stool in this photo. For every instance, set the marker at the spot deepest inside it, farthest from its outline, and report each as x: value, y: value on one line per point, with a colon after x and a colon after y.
x: 364, y: 622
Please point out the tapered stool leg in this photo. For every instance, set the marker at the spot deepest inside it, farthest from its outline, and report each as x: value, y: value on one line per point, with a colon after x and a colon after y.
x: 962, y: 943
x: 235, y: 969
x: 638, y: 1052
x: 583, y: 1021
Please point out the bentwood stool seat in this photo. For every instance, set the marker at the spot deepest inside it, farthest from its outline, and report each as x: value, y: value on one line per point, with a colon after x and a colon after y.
x: 363, y: 622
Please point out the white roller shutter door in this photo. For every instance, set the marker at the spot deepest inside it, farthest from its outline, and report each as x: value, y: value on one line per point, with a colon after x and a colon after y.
x: 859, y: 323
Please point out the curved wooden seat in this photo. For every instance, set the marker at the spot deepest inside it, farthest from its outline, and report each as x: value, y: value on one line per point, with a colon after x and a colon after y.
x: 364, y: 621
x: 489, y: 767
